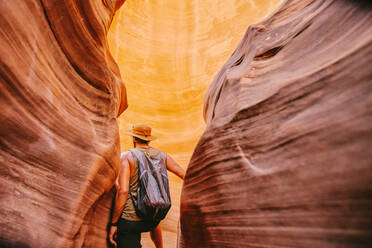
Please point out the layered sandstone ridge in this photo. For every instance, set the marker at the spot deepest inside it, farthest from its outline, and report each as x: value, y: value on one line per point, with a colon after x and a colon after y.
x: 285, y: 159
x: 59, y: 144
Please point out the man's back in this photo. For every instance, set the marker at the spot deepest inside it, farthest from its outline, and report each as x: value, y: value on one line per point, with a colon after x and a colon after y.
x: 128, y: 232
x: 152, y: 200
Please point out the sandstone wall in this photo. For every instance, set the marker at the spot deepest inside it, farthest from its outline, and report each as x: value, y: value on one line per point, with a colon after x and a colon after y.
x: 285, y: 160
x: 60, y: 94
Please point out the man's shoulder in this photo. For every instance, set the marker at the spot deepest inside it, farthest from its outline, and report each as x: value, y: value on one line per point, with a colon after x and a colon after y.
x: 126, y: 156
x: 155, y: 152
x: 148, y: 151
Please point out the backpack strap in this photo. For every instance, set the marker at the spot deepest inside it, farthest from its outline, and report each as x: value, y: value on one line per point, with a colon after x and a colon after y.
x: 136, y: 153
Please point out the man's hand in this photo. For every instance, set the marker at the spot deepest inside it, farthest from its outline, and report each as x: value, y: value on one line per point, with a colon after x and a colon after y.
x: 174, y: 167
x: 112, y: 235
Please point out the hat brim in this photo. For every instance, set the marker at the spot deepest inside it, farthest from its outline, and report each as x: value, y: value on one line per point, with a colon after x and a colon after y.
x: 147, y: 138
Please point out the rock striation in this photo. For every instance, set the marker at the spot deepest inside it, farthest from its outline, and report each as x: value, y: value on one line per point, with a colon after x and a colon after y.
x: 285, y: 158
x: 60, y: 94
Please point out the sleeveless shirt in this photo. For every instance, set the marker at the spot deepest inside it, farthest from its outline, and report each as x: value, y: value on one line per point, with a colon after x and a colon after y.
x: 129, y: 211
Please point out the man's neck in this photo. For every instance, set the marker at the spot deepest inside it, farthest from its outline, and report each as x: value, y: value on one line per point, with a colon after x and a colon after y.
x: 141, y: 145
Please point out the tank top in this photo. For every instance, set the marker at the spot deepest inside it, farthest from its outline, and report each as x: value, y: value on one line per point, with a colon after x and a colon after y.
x: 129, y: 211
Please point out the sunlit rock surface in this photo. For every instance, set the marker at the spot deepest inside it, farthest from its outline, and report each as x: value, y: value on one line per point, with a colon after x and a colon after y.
x: 285, y: 160
x: 168, y: 52
x: 60, y: 93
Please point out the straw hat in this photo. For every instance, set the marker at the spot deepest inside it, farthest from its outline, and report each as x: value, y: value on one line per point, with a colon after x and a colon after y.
x: 142, y: 131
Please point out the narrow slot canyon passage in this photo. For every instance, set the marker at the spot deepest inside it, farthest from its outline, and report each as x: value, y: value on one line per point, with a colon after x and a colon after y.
x: 168, y: 53
x: 266, y: 104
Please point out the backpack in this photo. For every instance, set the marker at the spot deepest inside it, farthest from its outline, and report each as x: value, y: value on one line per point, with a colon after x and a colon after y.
x: 152, y: 202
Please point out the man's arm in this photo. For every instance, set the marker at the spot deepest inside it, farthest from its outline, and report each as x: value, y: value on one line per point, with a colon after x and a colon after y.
x: 174, y: 167
x: 122, y: 190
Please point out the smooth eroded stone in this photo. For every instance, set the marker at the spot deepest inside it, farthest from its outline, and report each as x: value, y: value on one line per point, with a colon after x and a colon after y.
x: 285, y: 159
x: 60, y: 94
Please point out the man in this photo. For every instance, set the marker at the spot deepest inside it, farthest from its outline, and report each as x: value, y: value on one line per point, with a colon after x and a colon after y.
x: 126, y: 226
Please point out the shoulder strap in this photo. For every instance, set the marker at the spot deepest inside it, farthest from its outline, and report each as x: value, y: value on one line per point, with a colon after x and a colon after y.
x: 135, y: 152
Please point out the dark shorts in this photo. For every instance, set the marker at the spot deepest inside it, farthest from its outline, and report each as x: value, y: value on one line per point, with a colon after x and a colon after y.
x: 129, y: 232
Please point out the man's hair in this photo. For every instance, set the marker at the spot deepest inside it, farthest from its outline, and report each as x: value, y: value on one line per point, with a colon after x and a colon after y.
x: 141, y: 140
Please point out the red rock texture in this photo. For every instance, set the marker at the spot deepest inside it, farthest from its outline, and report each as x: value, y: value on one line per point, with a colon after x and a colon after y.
x: 285, y: 160
x: 60, y: 94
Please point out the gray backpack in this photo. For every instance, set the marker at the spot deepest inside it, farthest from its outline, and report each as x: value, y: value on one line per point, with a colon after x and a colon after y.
x: 153, y: 201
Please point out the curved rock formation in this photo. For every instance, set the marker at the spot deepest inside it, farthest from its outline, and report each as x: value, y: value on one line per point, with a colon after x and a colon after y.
x: 285, y: 159
x: 59, y: 144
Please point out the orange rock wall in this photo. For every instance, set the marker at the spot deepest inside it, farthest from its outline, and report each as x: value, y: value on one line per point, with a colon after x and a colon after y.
x: 285, y: 160
x: 60, y: 93
x: 168, y: 53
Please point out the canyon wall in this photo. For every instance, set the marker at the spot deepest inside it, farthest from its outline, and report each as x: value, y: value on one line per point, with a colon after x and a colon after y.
x: 59, y: 144
x: 285, y: 159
